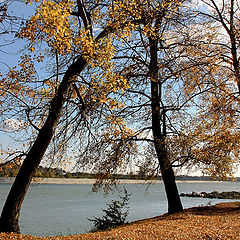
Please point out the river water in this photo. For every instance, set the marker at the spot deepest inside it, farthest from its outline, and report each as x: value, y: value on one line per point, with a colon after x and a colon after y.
x: 64, y: 209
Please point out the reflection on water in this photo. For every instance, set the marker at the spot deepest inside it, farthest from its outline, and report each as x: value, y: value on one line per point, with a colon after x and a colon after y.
x: 55, y: 209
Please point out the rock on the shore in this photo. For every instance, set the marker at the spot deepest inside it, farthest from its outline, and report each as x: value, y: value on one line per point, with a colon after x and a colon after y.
x: 214, y: 194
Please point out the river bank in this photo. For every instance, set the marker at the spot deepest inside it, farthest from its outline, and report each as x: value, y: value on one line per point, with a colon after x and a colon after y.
x: 10, y: 180
x: 72, y: 181
x: 221, y: 221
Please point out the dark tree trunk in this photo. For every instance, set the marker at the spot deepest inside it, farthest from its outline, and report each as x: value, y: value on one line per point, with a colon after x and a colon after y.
x: 173, y: 198
x: 174, y: 202
x: 9, y: 221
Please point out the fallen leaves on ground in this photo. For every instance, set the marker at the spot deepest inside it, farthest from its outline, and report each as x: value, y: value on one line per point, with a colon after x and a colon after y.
x: 219, y: 222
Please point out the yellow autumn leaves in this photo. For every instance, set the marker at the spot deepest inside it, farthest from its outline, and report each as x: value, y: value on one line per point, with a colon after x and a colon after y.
x: 51, y: 23
x: 54, y: 26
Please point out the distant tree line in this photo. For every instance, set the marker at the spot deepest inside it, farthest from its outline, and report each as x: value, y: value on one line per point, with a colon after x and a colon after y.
x: 48, y: 172
x: 12, y: 171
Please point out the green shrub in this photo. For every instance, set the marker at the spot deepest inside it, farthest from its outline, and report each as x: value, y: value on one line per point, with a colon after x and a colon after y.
x: 115, y: 214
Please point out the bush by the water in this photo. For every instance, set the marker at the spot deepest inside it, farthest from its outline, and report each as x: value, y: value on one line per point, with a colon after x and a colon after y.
x: 115, y: 214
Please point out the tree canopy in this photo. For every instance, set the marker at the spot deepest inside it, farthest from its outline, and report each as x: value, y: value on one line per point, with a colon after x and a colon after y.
x: 120, y: 86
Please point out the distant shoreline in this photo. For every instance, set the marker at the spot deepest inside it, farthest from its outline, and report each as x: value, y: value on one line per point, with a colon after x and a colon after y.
x: 92, y: 181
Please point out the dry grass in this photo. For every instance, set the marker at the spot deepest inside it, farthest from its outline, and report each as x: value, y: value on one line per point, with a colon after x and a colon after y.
x: 221, y: 221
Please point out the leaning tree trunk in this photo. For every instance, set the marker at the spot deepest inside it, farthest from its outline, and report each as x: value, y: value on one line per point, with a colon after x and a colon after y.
x: 174, y: 202
x: 9, y: 221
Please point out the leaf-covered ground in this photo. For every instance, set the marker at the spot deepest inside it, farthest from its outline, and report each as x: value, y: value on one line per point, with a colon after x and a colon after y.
x: 221, y: 221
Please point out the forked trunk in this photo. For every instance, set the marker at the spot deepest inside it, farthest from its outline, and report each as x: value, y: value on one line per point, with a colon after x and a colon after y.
x: 173, y: 198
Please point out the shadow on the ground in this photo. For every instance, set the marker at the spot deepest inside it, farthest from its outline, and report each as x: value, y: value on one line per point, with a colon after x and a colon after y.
x: 218, y: 209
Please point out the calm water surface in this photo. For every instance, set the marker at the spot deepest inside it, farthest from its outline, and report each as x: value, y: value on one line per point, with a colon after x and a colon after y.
x: 55, y: 209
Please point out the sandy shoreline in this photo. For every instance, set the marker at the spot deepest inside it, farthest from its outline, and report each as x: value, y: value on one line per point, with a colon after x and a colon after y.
x: 88, y: 181
x: 73, y: 181
x: 82, y: 181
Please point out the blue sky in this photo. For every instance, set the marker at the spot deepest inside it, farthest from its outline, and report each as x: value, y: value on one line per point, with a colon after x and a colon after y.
x: 9, y: 54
